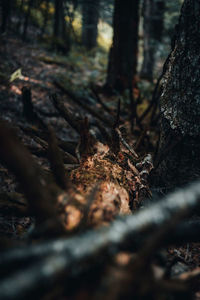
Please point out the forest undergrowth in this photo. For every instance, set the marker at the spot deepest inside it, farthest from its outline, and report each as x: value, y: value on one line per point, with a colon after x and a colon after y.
x: 84, y: 147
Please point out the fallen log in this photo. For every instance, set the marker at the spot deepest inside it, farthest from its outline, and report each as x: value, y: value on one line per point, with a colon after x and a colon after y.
x: 119, y: 186
x: 62, y: 254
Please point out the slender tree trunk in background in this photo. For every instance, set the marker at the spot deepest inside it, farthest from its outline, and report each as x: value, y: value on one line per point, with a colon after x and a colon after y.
x: 20, y: 16
x: 60, y: 30
x: 123, y: 53
x: 26, y: 20
x: 6, y: 9
x: 153, y: 17
x: 58, y: 18
x: 179, y: 151
x: 46, y: 16
x: 65, y: 31
x: 90, y: 19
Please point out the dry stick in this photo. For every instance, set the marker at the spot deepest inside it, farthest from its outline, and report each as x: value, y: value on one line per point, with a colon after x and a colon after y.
x: 59, y: 105
x: 104, y: 132
x: 133, y: 112
x: 82, y: 127
x: 104, y: 106
x: 56, y: 161
x: 67, y: 146
x: 68, y: 117
x: 132, y: 151
x: 64, y: 254
x: 115, y: 144
x: 154, y: 100
x: 67, y: 157
x: 141, y: 138
x: 117, y: 136
x: 87, y: 141
x: 17, y: 158
x: 82, y: 103
x: 47, y: 114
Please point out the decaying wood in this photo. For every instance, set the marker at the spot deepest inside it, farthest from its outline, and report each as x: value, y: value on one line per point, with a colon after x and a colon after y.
x: 119, y: 185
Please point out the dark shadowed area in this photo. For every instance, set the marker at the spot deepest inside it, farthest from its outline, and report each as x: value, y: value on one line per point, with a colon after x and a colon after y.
x: 99, y: 149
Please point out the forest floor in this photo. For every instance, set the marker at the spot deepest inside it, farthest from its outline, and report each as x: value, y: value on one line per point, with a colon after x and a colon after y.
x: 40, y: 70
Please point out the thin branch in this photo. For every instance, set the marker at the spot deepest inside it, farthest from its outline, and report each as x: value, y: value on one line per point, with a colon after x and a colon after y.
x: 122, y: 234
x: 15, y: 156
x: 82, y: 102
x: 59, y: 105
x: 104, y: 106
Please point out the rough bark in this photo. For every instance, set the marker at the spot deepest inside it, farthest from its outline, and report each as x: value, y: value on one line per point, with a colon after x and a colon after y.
x: 178, y: 159
x: 123, y: 53
x: 153, y: 14
x: 90, y: 18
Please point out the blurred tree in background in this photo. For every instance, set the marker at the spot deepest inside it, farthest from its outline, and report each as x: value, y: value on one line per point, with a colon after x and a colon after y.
x: 123, y: 53
x: 5, y: 14
x: 153, y: 23
x: 90, y: 19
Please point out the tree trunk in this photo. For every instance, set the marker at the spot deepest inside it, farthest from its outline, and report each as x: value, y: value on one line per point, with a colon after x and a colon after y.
x: 123, y: 53
x: 5, y: 7
x: 178, y: 158
x: 20, y: 16
x: 58, y: 17
x: 26, y: 20
x: 90, y: 18
x: 46, y: 17
x: 61, y: 34
x: 153, y: 13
